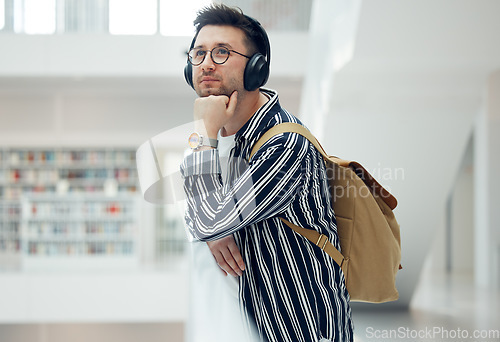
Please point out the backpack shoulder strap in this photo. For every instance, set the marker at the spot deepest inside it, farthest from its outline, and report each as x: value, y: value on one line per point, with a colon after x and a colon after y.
x: 370, y: 181
x: 319, y: 240
x: 293, y: 127
x: 284, y: 128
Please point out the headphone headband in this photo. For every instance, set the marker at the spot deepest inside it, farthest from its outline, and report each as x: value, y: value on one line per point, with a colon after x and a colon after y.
x: 267, y: 46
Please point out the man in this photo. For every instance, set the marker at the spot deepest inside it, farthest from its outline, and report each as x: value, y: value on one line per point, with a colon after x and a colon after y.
x: 289, y: 289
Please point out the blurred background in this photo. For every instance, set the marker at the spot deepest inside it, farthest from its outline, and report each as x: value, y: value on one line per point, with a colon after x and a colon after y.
x: 411, y: 89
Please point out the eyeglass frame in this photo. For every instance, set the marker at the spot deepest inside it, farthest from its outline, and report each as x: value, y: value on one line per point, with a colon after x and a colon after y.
x: 211, y: 56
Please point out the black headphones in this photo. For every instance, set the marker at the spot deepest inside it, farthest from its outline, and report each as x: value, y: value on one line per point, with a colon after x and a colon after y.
x: 257, y: 69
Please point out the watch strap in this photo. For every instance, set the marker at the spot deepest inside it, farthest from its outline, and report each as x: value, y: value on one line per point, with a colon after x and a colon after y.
x: 211, y: 142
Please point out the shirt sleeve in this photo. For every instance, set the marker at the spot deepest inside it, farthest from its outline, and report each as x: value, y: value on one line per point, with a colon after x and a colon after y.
x: 265, y: 189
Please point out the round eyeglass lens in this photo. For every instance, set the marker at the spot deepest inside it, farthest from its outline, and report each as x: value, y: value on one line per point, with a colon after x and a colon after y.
x: 219, y: 55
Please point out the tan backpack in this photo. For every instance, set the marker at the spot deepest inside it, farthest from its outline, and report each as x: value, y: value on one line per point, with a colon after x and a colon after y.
x: 368, y: 231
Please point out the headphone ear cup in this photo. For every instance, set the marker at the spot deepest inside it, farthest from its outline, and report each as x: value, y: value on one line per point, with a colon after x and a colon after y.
x: 188, y: 74
x: 256, y: 72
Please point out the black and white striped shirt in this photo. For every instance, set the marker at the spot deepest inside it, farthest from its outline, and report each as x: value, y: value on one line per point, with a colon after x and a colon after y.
x: 290, y: 290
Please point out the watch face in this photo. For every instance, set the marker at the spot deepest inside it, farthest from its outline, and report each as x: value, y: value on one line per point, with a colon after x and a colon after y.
x: 194, y: 140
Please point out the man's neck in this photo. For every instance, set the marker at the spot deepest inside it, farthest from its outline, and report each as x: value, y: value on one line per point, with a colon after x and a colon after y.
x: 245, y: 109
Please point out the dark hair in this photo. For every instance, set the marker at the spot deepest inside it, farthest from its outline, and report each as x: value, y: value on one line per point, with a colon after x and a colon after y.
x: 220, y: 14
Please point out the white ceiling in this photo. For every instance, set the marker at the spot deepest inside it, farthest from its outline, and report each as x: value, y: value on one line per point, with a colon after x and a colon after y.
x: 425, y: 48
x: 426, y: 34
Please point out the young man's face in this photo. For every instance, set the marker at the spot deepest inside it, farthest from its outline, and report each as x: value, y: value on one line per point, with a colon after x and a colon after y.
x: 210, y: 78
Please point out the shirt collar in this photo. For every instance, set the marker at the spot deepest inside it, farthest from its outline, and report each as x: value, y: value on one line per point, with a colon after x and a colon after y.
x: 256, y: 123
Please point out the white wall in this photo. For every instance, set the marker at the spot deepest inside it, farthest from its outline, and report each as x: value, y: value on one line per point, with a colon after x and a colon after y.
x: 487, y: 186
x: 55, y: 117
x: 462, y: 221
x: 461, y: 236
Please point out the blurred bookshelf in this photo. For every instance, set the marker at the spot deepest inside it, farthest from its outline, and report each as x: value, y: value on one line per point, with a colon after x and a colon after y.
x: 83, y: 231
x: 10, y: 244
x: 78, y: 208
x: 170, y: 234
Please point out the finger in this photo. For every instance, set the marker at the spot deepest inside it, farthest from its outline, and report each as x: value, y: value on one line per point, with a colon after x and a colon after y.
x: 223, y: 272
x: 233, y: 248
x: 220, y: 268
x: 228, y: 257
x: 225, y: 98
x: 224, y: 265
x: 231, y: 105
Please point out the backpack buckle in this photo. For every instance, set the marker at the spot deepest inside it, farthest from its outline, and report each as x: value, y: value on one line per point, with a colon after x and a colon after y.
x: 321, y: 244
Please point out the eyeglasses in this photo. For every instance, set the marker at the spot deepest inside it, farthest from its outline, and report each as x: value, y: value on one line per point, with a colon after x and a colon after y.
x: 219, y: 55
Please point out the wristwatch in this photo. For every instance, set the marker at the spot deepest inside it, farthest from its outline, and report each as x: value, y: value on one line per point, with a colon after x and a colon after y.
x: 197, y: 140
